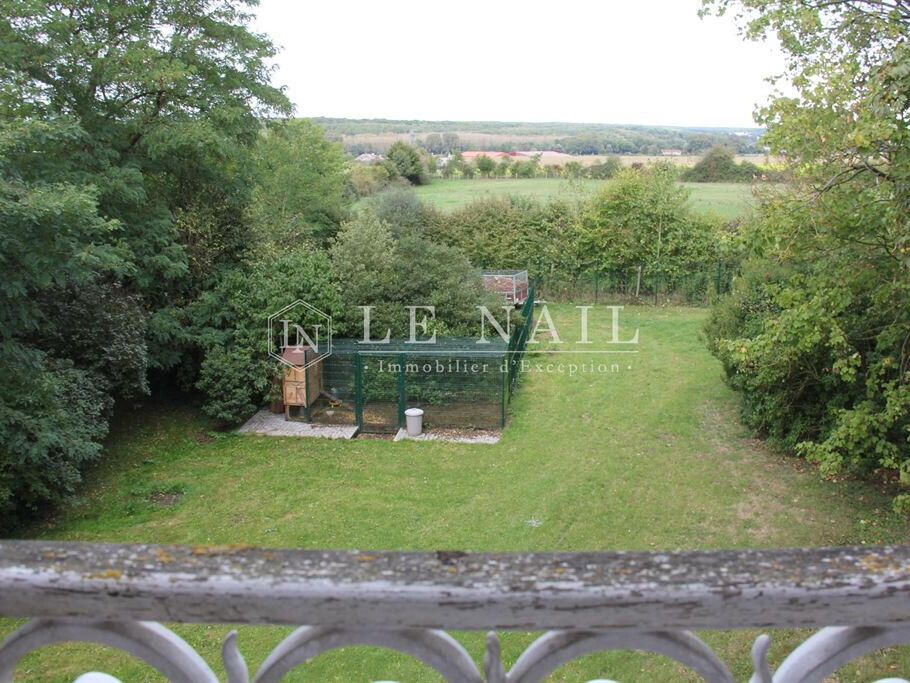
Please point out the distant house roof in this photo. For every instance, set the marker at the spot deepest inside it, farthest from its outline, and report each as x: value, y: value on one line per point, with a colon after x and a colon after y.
x: 368, y: 158
x: 671, y: 152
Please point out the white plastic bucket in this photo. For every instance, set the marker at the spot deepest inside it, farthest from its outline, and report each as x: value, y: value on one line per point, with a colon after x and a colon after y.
x: 413, y: 418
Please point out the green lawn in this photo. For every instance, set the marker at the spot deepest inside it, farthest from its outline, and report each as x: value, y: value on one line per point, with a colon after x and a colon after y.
x: 649, y: 457
x: 728, y: 200
x: 452, y: 194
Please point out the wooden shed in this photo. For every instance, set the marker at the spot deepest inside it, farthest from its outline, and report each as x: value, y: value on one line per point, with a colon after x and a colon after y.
x: 301, y: 386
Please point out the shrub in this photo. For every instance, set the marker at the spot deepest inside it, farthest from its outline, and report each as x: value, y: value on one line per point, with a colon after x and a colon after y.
x: 237, y: 373
x: 604, y: 170
x: 485, y: 166
x: 512, y: 232
x: 52, y: 420
x: 365, y: 180
x: 718, y: 165
x: 391, y: 269
x: 100, y: 328
x: 407, y: 162
x: 573, y: 169
x: 640, y: 218
x: 826, y: 369
x: 400, y: 209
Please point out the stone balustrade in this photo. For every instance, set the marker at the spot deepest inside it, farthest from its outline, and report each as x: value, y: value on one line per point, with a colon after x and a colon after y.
x: 583, y: 602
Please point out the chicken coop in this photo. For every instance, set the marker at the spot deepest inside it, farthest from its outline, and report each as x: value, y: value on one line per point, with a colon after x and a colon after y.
x: 300, y: 386
x: 459, y: 383
x: 513, y: 285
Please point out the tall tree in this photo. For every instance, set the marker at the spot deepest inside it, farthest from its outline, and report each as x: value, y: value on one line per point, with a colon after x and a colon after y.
x: 299, y: 193
x: 167, y: 95
x: 824, y: 363
x: 125, y: 130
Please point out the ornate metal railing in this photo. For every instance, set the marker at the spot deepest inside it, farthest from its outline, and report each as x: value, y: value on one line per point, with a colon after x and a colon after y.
x: 587, y: 602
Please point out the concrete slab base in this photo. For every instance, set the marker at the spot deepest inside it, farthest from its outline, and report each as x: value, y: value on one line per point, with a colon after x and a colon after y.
x: 485, y: 437
x: 272, y: 424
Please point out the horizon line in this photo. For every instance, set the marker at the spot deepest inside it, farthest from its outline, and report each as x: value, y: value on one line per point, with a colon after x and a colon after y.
x: 569, y: 123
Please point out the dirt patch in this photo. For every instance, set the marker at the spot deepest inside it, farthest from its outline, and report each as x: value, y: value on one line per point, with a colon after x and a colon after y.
x: 758, y: 510
x: 383, y: 416
x: 452, y: 436
x: 164, y: 498
x: 204, y: 437
x: 370, y: 435
x: 763, y: 500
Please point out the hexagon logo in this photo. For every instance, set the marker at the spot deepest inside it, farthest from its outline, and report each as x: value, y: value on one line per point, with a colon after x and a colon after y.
x: 300, y: 335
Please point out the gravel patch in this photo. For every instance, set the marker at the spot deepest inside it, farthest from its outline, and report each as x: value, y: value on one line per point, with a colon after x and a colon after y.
x: 451, y: 435
x: 274, y: 424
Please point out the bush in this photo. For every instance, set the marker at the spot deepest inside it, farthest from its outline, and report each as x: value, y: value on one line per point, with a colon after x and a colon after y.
x: 407, y: 163
x: 391, y: 268
x: 237, y: 374
x: 100, y: 328
x: 512, y: 232
x: 640, y: 218
x: 365, y: 180
x: 825, y: 368
x: 604, y: 170
x: 400, y: 209
x: 52, y: 420
x: 718, y: 165
x: 485, y: 166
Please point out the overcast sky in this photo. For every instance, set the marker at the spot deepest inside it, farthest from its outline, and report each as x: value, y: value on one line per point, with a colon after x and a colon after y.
x: 600, y: 61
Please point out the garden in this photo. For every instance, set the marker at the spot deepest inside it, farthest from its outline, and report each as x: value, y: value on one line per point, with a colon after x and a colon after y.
x: 152, y: 223
x: 651, y: 457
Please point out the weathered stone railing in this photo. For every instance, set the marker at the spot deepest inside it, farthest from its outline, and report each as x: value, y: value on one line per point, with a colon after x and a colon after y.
x: 587, y: 602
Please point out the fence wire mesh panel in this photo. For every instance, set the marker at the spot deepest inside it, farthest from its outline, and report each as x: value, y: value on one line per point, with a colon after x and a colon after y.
x: 458, y: 383
x: 379, y: 392
x: 699, y: 287
x: 456, y: 390
x: 336, y: 404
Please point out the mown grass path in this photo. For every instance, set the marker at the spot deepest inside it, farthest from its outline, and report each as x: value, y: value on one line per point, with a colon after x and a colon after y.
x: 648, y: 455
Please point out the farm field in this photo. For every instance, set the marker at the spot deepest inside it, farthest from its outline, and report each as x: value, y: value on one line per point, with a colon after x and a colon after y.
x: 647, y: 456
x: 525, y: 142
x: 728, y: 200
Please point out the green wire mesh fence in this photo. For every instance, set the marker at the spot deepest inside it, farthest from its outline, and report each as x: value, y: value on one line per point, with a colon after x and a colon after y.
x: 459, y: 382
x: 696, y: 288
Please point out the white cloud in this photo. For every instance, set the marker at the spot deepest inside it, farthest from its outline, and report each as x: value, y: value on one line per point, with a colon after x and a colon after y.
x: 651, y: 62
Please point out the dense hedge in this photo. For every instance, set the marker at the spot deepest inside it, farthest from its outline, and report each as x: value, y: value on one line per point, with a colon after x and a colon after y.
x: 816, y: 335
x: 638, y: 230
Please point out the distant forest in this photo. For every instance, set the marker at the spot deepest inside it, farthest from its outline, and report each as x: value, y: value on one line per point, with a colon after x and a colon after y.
x: 438, y: 137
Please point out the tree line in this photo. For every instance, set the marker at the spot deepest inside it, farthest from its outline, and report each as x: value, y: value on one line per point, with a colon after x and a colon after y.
x: 441, y: 137
x: 816, y: 334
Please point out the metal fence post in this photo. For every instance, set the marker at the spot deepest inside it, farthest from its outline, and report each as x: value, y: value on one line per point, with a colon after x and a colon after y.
x: 358, y: 390
x: 306, y: 394
x: 402, y: 397
x: 505, y: 383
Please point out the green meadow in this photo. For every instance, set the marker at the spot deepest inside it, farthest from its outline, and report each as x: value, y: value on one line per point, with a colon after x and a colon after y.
x: 727, y: 200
